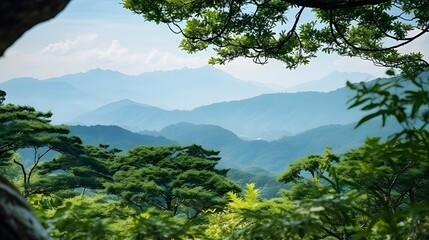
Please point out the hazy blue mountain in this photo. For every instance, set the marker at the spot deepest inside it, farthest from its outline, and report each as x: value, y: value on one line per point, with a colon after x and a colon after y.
x: 256, y: 157
x: 177, y: 89
x: 233, y: 149
x: 63, y: 99
x: 273, y: 156
x: 130, y: 115
x: 72, y: 95
x: 331, y: 82
x: 268, y: 116
x: 235, y: 152
x: 210, y: 135
x: 116, y: 137
x: 272, y: 116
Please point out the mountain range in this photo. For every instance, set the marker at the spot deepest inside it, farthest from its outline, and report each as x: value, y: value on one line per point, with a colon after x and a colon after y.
x: 117, y: 137
x: 333, y: 81
x: 266, y: 131
x: 272, y: 156
x: 268, y: 116
x: 71, y: 95
x: 74, y: 94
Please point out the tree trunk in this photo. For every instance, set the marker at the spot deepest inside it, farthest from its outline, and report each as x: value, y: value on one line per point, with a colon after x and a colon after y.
x: 16, y: 218
x: 18, y: 16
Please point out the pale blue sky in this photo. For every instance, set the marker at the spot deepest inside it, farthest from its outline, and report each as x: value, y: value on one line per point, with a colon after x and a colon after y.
x: 101, y: 34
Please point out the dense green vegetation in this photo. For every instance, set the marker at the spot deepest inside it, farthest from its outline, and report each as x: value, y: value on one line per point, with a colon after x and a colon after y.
x: 376, y: 191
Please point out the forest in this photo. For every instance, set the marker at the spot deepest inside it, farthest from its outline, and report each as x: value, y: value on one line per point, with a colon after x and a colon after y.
x: 379, y: 190
x: 376, y: 191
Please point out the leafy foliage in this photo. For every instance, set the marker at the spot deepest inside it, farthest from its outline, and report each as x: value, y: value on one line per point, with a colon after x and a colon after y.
x: 68, y: 172
x: 261, y: 30
x: 406, y: 101
x: 182, y: 180
x: 23, y: 127
x: 383, y: 185
x: 266, y: 183
x: 222, y: 224
x: 79, y: 217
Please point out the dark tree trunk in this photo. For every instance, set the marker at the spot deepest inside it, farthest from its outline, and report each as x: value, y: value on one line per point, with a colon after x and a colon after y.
x: 17, y: 221
x: 18, y: 16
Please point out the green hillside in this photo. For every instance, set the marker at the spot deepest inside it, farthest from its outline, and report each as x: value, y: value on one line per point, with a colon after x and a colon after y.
x: 116, y: 137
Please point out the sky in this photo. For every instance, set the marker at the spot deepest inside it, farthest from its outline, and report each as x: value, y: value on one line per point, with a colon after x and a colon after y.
x: 102, y: 34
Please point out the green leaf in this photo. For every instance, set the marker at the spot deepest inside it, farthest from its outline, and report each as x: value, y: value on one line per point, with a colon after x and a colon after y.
x: 370, y: 116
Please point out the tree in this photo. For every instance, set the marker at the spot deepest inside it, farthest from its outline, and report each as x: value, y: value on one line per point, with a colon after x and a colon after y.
x: 317, y: 185
x: 312, y: 177
x: 16, y: 17
x: 337, y: 187
x: 181, y: 180
x: 261, y: 30
x: 384, y: 185
x: 101, y: 217
x: 5, y: 154
x: 70, y: 171
x: 22, y: 127
x: 222, y: 224
x: 394, y: 177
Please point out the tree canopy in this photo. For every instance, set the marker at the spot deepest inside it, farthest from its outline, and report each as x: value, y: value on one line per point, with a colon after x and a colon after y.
x: 70, y: 171
x: 181, y: 180
x: 294, y: 31
x: 23, y: 127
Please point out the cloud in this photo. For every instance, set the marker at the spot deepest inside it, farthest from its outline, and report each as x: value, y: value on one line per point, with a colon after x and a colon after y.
x: 83, y: 52
x: 86, y: 52
x: 355, y: 64
x: 64, y: 47
x: 418, y: 45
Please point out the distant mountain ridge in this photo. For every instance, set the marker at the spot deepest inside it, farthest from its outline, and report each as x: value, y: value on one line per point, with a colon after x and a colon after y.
x: 71, y: 95
x: 176, y: 89
x: 116, y: 137
x: 268, y: 116
x: 271, y: 156
x: 331, y: 82
x: 63, y: 99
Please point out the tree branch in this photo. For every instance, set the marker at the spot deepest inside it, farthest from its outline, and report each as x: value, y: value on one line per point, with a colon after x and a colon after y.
x: 22, y: 169
x: 210, y: 38
x: 334, y: 4
x: 6, y: 147
x: 330, y: 233
x: 36, y: 161
x: 333, y: 23
x: 395, y: 179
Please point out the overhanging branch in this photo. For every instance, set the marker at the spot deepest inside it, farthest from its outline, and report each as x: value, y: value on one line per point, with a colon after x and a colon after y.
x: 16, y: 17
x: 334, y: 4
